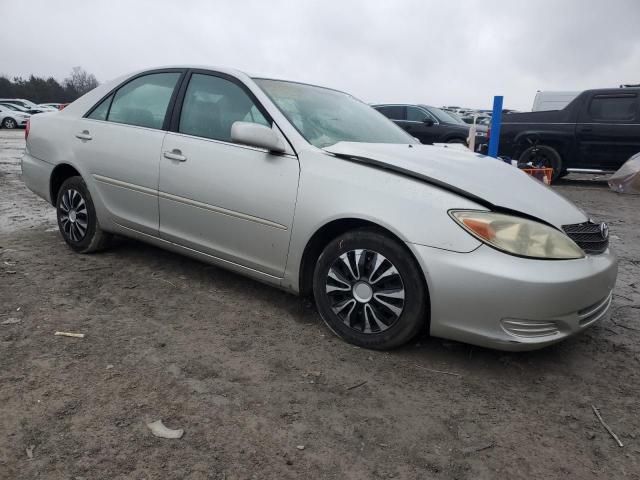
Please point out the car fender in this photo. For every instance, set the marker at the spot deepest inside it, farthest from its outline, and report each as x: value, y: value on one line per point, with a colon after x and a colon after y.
x: 51, y: 140
x: 559, y: 140
x: 412, y: 210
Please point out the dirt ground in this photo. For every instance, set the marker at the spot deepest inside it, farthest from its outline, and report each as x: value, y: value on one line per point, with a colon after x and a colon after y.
x: 252, y: 375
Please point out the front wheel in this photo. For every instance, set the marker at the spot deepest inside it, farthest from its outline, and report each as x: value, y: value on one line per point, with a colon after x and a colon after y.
x: 369, y: 290
x: 77, y: 219
x: 9, y: 123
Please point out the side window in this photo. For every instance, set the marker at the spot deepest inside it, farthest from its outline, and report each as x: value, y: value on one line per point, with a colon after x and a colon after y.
x: 613, y: 108
x: 100, y: 112
x: 416, y: 114
x: 144, y: 101
x: 212, y: 104
x: 394, y: 112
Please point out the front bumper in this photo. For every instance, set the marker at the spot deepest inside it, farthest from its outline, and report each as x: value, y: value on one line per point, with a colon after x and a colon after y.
x: 496, y: 300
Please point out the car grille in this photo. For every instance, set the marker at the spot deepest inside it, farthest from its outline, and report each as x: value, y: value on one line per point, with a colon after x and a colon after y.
x: 591, y: 237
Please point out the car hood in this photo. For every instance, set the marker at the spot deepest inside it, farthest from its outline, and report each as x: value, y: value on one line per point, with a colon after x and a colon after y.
x: 488, y: 181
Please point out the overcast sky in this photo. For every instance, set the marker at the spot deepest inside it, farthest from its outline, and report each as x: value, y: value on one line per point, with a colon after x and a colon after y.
x: 435, y: 52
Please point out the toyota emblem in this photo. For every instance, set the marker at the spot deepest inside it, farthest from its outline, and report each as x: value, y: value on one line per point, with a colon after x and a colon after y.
x: 604, y: 230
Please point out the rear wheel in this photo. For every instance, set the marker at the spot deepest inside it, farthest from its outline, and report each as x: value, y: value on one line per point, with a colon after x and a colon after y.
x: 9, y: 123
x: 542, y: 156
x: 369, y: 290
x: 77, y: 219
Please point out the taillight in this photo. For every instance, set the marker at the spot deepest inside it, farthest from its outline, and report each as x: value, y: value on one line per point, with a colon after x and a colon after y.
x: 26, y: 130
x: 488, y: 133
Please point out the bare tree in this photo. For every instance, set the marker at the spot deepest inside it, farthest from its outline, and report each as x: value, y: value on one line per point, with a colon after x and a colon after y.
x: 80, y: 81
x: 42, y: 89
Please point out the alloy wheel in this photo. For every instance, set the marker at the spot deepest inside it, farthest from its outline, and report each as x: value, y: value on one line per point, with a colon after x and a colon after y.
x: 365, y: 290
x: 10, y: 123
x: 74, y: 217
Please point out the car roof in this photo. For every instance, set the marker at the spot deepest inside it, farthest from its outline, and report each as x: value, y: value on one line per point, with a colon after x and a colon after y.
x: 614, y: 91
x: 234, y: 72
x: 401, y: 105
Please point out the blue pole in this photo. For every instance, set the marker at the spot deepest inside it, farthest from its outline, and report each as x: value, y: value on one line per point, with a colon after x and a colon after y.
x: 496, y: 121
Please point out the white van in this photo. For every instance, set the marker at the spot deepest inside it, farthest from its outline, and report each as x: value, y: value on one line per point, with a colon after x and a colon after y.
x: 552, y: 100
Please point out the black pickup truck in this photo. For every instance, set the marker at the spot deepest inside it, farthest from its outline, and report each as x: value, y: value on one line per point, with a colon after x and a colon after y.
x: 597, y: 132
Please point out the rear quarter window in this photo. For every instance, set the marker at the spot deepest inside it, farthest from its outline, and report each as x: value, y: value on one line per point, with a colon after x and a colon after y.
x: 613, y: 108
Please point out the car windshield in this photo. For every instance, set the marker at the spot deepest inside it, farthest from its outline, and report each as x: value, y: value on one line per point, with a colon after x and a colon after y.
x: 325, y: 117
x: 446, y: 117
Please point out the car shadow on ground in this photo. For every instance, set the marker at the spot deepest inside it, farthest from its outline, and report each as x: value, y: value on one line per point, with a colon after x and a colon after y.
x: 423, y: 350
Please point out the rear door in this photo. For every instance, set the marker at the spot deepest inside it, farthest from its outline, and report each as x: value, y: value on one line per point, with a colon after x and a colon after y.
x: 120, y: 142
x: 608, y: 130
x: 231, y: 201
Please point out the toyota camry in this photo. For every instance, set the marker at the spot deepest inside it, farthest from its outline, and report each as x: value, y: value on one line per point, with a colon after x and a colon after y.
x: 313, y: 191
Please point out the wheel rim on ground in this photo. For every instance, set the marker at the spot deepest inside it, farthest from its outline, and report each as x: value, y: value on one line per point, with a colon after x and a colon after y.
x: 541, y: 159
x: 74, y: 217
x: 9, y: 123
x: 365, y: 291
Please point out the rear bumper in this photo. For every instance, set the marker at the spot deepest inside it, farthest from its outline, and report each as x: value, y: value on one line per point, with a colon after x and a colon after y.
x: 496, y: 300
x: 36, y: 174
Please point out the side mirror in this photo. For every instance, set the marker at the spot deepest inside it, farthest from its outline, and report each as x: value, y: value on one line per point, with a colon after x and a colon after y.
x: 255, y: 135
x: 428, y: 122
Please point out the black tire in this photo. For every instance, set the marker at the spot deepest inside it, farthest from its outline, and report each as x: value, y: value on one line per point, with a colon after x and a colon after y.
x: 543, y: 156
x: 77, y: 219
x: 389, y: 329
x: 9, y: 123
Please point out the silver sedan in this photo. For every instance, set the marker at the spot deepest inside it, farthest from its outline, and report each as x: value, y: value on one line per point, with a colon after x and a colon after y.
x: 310, y: 190
x: 12, y: 117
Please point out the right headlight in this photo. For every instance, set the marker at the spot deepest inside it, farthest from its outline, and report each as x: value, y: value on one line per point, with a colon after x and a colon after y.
x: 517, y: 236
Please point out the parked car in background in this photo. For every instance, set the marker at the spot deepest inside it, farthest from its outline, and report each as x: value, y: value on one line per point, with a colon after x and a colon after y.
x: 597, y: 132
x: 479, y: 119
x: 235, y: 171
x: 552, y: 100
x: 54, y: 106
x: 51, y: 107
x: 20, y: 108
x: 12, y: 118
x: 430, y: 124
x: 29, y: 105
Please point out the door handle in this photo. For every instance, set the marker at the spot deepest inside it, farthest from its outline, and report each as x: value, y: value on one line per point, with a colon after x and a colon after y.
x: 84, y: 135
x: 175, y: 154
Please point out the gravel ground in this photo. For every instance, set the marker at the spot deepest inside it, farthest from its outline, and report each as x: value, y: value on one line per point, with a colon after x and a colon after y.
x: 252, y: 376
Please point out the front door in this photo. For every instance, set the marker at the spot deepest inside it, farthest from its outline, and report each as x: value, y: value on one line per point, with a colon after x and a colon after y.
x: 231, y: 201
x: 608, y: 131
x: 421, y: 125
